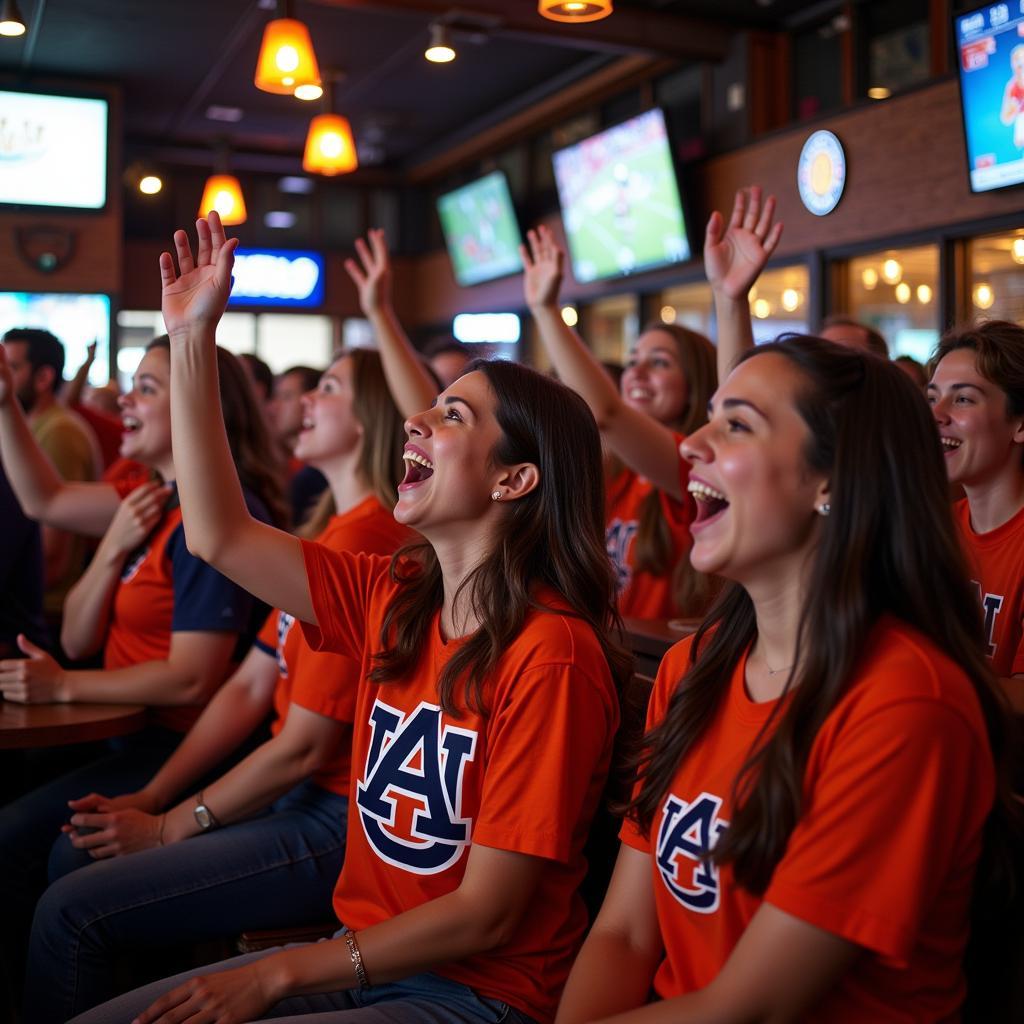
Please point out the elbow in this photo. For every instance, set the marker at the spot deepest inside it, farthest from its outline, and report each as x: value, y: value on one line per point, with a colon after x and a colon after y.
x: 605, y: 414
x: 498, y: 929
x: 76, y: 647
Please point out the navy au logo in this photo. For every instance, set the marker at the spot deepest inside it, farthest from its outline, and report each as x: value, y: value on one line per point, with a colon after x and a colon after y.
x: 284, y: 627
x: 688, y: 832
x: 415, y: 759
x: 617, y: 538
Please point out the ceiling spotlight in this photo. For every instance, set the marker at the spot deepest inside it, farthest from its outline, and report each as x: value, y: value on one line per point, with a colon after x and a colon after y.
x: 150, y: 185
x: 279, y: 219
x: 575, y: 10
x: 903, y: 292
x: 12, y: 21
x: 790, y: 300
x: 440, y: 50
x: 762, y: 309
x: 296, y: 185
x: 984, y: 296
x: 892, y: 272
x: 924, y: 294
x: 869, y: 278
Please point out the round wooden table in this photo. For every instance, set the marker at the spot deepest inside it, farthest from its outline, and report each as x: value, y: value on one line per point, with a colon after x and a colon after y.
x: 53, y: 725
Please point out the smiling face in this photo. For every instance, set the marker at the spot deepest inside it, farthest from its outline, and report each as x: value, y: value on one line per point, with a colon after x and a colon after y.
x: 653, y: 381
x: 329, y: 426
x: 450, y: 469
x: 146, y: 412
x: 980, y: 441
x: 756, y: 495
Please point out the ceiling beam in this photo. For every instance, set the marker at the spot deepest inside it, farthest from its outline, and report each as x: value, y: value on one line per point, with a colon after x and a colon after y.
x: 652, y: 33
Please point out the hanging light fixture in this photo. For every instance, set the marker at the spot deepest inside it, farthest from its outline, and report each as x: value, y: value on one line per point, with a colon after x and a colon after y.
x: 575, y: 10
x: 12, y: 21
x: 440, y: 50
x: 330, y: 147
x: 287, y: 64
x: 222, y: 191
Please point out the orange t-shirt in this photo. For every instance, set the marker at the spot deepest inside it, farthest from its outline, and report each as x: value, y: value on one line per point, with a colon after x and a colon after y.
x: 642, y: 595
x: 320, y: 681
x: 527, y: 777
x: 996, y: 562
x: 898, y: 786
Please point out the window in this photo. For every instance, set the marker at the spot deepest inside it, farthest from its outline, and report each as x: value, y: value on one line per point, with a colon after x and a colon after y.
x: 996, y: 268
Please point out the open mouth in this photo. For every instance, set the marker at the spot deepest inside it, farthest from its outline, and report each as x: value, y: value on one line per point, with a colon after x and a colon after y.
x: 710, y: 503
x: 639, y: 394
x: 950, y: 444
x: 129, y: 424
x: 417, y: 467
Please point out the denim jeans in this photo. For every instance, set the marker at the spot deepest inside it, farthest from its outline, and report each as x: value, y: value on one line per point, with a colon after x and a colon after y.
x: 30, y: 826
x: 422, y: 999
x: 274, y: 871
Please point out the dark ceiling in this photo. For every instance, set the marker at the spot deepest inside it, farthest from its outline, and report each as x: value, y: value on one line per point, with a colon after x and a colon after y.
x: 178, y: 58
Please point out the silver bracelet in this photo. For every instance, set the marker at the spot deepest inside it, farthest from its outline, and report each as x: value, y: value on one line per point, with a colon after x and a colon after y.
x: 357, y: 960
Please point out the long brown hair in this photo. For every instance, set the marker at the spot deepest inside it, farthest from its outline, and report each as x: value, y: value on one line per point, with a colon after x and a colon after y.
x: 247, y: 433
x: 889, y: 547
x: 553, y: 537
x: 380, y: 459
x: 654, y: 547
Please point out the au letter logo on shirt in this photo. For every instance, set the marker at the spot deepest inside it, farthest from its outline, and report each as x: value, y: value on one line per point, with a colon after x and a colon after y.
x: 687, y: 834
x: 410, y: 796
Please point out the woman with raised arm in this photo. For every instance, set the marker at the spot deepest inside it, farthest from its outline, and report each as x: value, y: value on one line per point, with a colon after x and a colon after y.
x: 486, y: 708
x: 663, y: 396
x: 169, y: 626
x: 823, y: 756
x: 273, y: 827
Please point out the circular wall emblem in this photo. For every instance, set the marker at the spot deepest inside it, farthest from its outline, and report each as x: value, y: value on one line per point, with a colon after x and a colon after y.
x: 821, y: 173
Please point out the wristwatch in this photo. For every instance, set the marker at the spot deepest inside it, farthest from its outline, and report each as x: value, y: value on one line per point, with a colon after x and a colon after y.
x: 204, y: 816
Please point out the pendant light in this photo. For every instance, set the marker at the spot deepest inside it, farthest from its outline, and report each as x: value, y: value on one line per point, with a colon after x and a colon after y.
x: 575, y: 10
x: 287, y: 64
x: 223, y: 193
x: 440, y: 49
x: 330, y: 147
x: 12, y: 21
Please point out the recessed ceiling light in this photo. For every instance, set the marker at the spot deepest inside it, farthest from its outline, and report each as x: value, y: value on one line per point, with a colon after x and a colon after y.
x: 229, y: 114
x: 296, y: 185
x: 279, y: 219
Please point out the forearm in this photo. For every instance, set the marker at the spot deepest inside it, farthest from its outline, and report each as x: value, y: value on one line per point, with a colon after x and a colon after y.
x: 735, y: 332
x: 154, y: 683
x: 234, y: 711
x: 87, y: 606
x: 411, y: 385
x: 576, y: 365
x: 441, y: 931
x: 609, y: 976
x: 32, y: 475
x: 72, y: 393
x: 253, y: 784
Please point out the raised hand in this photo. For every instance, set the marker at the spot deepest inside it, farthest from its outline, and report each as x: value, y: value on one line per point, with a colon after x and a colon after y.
x: 37, y: 679
x: 6, y: 379
x: 372, y: 274
x: 228, y: 997
x: 113, y: 833
x: 196, y: 296
x: 734, y: 256
x: 135, y: 517
x: 543, y: 262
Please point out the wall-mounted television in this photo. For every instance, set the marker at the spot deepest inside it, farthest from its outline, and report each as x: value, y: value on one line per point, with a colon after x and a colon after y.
x: 620, y: 200
x: 53, y: 150
x: 990, y: 45
x: 76, y: 320
x: 480, y: 230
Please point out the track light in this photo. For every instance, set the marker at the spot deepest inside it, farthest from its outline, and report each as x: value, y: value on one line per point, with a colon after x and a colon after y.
x: 575, y: 10
x: 440, y: 50
x: 12, y: 21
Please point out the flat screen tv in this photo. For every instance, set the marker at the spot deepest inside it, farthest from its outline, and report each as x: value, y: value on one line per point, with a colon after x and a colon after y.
x: 53, y: 150
x: 620, y: 200
x: 990, y: 47
x: 76, y: 320
x: 480, y: 230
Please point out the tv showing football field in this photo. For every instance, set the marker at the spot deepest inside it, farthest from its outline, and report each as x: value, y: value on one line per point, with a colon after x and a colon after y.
x: 990, y: 44
x: 620, y: 200
x: 481, y: 230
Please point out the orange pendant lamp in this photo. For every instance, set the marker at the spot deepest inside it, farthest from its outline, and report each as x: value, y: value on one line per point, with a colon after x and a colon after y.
x: 575, y: 10
x: 287, y: 64
x: 330, y: 147
x: 223, y: 194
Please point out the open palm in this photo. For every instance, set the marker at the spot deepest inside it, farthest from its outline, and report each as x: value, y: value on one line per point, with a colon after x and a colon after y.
x: 198, y: 293
x: 734, y: 256
x: 542, y: 267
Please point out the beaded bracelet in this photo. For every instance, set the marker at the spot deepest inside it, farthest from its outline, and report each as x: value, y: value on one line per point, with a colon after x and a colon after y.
x: 357, y: 960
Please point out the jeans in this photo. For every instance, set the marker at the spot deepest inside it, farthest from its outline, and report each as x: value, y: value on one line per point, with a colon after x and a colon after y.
x: 421, y: 999
x: 273, y: 871
x: 30, y: 826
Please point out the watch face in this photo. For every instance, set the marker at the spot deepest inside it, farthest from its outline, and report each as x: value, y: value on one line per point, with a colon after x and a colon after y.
x: 203, y: 817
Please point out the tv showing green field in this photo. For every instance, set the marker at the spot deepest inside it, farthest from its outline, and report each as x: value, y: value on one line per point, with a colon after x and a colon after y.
x: 620, y: 200
x: 480, y: 230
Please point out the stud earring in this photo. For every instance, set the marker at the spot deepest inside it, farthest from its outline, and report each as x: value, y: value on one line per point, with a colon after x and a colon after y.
x: 824, y: 509
x: 495, y: 495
